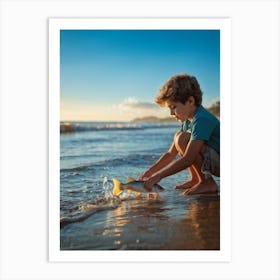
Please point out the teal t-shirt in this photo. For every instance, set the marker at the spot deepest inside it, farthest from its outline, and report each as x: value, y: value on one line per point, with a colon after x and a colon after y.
x: 204, y: 126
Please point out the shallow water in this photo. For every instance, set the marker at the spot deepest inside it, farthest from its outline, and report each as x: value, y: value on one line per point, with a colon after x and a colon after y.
x: 92, y: 219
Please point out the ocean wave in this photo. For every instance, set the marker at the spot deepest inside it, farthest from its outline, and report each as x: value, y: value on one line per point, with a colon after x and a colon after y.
x: 130, y: 160
x: 78, y: 168
x: 105, y: 201
x: 71, y: 127
x: 87, y: 209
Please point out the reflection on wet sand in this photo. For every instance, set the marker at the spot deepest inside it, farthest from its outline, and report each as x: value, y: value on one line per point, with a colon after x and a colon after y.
x: 199, y: 230
x: 142, y: 225
x: 172, y: 223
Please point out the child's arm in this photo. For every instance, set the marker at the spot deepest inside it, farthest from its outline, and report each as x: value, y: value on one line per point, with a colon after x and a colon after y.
x: 192, y: 151
x: 164, y: 160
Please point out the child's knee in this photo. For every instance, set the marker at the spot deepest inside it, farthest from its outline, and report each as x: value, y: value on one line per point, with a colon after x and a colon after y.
x: 181, y: 140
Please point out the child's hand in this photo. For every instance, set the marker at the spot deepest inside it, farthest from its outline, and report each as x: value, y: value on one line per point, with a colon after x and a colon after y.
x: 144, y: 176
x: 151, y: 181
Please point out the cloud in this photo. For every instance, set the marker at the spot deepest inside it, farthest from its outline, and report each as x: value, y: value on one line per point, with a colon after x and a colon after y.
x: 132, y: 103
x: 132, y: 107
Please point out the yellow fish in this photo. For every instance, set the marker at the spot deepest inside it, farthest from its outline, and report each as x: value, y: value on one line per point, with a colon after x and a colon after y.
x: 134, y: 186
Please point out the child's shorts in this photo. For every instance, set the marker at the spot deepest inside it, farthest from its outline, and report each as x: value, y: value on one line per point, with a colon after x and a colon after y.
x: 211, y: 162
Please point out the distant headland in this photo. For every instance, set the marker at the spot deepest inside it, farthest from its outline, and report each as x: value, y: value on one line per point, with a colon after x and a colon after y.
x: 154, y: 119
x: 214, y: 109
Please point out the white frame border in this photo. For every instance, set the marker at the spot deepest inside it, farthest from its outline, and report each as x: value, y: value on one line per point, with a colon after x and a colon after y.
x: 55, y: 25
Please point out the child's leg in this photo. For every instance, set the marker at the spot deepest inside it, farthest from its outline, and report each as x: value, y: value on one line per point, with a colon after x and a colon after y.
x: 188, y: 184
x: 204, y: 185
x: 181, y: 141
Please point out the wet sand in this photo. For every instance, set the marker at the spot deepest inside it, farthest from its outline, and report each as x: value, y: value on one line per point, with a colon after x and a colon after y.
x: 174, y: 222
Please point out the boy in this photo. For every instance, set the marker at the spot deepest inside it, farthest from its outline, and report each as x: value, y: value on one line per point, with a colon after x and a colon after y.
x: 198, y: 141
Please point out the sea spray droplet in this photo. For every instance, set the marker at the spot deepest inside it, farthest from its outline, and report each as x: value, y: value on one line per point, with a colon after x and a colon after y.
x: 107, y: 187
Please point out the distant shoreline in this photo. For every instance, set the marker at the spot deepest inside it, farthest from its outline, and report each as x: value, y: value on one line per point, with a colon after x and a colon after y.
x: 155, y: 119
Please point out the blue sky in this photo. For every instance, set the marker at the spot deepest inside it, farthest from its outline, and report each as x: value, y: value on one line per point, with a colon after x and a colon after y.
x: 115, y: 74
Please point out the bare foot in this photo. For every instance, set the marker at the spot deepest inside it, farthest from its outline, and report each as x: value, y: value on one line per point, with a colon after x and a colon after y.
x: 186, y: 185
x: 207, y: 186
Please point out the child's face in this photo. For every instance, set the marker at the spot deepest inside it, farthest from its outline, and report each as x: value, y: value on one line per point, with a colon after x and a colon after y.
x: 181, y: 111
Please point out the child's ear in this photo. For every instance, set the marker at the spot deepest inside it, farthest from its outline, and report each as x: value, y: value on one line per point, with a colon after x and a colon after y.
x: 191, y: 100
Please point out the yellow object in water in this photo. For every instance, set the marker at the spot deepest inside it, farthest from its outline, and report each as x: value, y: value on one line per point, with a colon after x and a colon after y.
x: 134, y: 186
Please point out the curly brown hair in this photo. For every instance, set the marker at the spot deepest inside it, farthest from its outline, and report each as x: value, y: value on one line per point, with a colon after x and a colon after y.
x: 179, y: 88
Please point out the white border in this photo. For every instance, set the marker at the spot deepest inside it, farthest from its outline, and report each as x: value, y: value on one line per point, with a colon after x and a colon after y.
x: 24, y: 163
x: 55, y: 25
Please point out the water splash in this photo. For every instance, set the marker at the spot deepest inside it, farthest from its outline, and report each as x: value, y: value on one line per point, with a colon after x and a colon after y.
x: 107, y: 188
x: 84, y: 210
x: 106, y: 201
